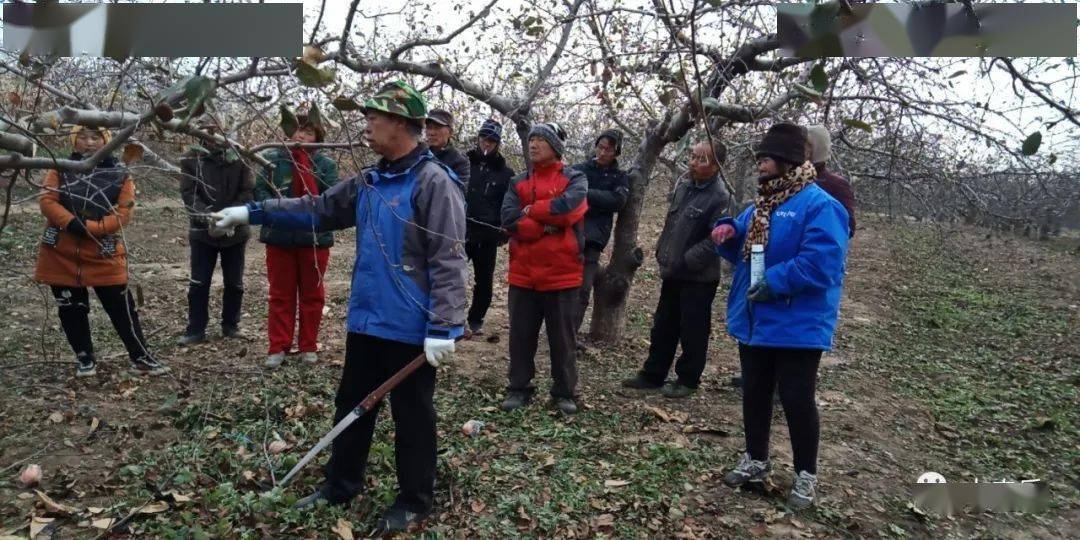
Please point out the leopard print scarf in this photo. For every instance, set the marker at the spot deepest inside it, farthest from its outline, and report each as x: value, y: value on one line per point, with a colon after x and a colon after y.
x: 771, y: 194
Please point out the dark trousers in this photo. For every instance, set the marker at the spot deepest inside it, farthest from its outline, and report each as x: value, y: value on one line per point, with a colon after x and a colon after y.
x: 483, y: 255
x: 73, y: 305
x: 592, y: 266
x: 683, y: 317
x: 795, y: 372
x: 203, y: 260
x: 370, y: 361
x: 529, y: 309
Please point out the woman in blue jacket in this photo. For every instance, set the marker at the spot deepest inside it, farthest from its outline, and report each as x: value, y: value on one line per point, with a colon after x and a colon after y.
x: 786, y: 320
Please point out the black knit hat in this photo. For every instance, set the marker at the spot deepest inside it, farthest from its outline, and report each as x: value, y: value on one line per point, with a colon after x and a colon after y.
x: 615, y: 136
x: 784, y: 142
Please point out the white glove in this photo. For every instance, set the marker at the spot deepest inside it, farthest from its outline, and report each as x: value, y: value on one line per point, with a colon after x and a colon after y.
x: 438, y: 350
x: 227, y: 219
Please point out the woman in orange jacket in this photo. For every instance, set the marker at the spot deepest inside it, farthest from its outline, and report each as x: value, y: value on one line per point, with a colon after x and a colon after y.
x: 83, y: 246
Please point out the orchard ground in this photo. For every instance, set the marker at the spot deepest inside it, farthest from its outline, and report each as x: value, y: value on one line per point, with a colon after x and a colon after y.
x: 956, y: 353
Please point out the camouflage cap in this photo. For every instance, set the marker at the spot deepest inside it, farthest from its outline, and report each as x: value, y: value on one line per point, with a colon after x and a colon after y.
x: 398, y: 98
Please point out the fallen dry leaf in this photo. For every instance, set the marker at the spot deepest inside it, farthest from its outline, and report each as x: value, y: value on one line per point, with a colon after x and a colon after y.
x: 154, y: 508
x: 343, y: 529
x: 38, y: 524
x: 478, y: 506
x: 56, y: 417
x: 668, y: 416
x: 178, y: 497
x: 603, y: 520
x: 103, y: 523
x: 616, y: 483
x: 54, y: 506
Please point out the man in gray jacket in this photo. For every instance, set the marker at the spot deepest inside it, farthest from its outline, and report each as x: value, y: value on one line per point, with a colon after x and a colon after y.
x: 407, y: 296
x: 690, y: 273
x: 210, y: 181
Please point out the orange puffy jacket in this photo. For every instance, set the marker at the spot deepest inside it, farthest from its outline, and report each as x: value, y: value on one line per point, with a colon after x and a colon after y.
x: 544, y: 212
x: 73, y: 260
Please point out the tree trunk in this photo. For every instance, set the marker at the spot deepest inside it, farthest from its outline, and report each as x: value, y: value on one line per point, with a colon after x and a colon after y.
x: 613, y: 282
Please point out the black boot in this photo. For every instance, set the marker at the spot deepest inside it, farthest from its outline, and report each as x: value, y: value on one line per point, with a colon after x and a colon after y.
x: 397, y: 520
x: 514, y: 400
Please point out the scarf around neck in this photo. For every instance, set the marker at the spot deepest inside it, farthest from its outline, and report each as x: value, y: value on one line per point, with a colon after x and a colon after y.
x: 771, y: 194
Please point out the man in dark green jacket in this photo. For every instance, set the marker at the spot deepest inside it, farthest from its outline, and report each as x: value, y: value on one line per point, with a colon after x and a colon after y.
x: 296, y: 260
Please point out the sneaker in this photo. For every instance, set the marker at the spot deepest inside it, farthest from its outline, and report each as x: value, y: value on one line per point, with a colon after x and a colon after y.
x: 231, y: 333
x: 397, y: 520
x: 747, y: 471
x: 802, y: 493
x: 310, y: 357
x: 514, y: 400
x: 675, y: 390
x: 274, y: 360
x: 640, y: 383
x: 566, y: 405
x: 85, y: 367
x: 148, y: 365
x: 191, y: 339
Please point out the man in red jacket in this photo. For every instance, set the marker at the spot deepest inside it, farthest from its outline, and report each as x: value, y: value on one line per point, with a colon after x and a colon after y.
x: 543, y: 212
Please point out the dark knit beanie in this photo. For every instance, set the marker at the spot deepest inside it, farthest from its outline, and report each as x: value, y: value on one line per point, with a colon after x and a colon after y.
x: 615, y: 136
x: 491, y: 129
x: 784, y: 142
x: 553, y: 134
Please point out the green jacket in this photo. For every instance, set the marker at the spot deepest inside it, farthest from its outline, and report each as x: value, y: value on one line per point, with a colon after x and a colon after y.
x: 281, y: 176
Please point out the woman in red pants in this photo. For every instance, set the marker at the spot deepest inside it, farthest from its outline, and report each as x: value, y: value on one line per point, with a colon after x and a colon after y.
x: 296, y: 260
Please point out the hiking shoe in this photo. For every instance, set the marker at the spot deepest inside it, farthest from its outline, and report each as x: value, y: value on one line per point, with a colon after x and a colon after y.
x: 802, y: 493
x: 310, y: 357
x: 747, y: 471
x: 640, y: 383
x: 397, y: 520
x: 231, y: 333
x: 85, y: 367
x: 675, y: 390
x: 566, y: 405
x: 274, y: 360
x: 191, y: 339
x: 514, y: 400
x: 476, y: 328
x: 148, y: 365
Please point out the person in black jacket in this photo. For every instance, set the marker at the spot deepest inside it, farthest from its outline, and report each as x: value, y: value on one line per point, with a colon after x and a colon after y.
x: 690, y: 274
x: 211, y: 181
x: 609, y: 187
x: 488, y: 181
x: 439, y: 128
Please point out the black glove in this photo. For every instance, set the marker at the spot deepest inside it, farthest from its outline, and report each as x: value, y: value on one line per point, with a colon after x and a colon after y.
x: 76, y: 227
x: 760, y: 292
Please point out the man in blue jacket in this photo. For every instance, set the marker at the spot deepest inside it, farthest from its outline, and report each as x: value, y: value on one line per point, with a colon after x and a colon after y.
x: 784, y: 321
x: 407, y: 296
